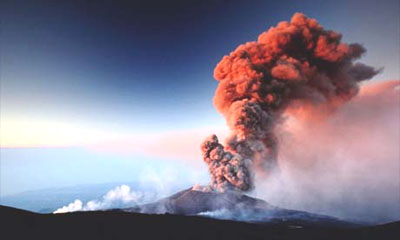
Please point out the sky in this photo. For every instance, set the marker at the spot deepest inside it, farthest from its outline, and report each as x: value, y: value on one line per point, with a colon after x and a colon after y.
x: 111, y: 85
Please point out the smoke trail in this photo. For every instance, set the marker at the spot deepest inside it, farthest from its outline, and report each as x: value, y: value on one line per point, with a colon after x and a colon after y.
x: 295, y: 63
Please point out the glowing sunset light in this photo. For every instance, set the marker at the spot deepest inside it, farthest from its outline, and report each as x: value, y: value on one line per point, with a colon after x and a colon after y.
x: 26, y: 133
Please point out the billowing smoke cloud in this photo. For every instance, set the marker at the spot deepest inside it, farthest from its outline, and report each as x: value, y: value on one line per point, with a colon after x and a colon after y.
x: 296, y: 63
x: 117, y: 197
x: 346, y: 166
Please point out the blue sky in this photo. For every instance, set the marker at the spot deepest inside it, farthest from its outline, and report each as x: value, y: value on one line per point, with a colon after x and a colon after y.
x: 92, y: 69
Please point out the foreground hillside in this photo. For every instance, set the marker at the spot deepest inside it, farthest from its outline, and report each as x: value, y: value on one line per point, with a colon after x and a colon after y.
x: 18, y: 224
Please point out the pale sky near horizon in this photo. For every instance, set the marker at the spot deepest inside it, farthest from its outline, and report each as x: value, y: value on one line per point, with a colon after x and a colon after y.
x: 78, y: 74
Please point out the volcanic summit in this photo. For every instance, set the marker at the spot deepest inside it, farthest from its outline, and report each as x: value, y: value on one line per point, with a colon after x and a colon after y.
x: 230, y: 205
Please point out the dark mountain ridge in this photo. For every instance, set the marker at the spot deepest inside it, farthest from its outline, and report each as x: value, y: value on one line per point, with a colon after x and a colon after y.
x: 20, y: 224
x: 189, y: 214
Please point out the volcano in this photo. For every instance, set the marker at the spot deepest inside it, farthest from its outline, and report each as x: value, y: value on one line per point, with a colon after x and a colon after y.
x: 232, y: 205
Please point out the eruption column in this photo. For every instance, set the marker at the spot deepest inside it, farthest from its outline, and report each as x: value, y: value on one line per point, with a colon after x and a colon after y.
x: 295, y: 62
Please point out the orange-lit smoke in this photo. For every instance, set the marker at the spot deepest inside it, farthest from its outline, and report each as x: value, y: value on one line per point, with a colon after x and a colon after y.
x: 291, y: 66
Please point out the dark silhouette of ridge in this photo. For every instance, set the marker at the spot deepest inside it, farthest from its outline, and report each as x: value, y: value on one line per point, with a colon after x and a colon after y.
x: 18, y: 224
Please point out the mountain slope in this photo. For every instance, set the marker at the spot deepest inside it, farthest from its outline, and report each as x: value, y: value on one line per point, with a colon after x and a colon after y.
x: 19, y: 224
x: 189, y: 202
x: 232, y: 206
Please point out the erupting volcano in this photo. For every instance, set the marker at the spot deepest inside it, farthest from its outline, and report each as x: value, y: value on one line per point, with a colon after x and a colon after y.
x: 296, y: 63
x: 206, y: 119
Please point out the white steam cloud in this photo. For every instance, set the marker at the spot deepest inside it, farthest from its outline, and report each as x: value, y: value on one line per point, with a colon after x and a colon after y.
x: 117, y: 197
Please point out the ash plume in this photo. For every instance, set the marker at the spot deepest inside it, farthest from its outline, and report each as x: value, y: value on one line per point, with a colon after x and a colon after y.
x: 295, y: 63
x: 346, y: 166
